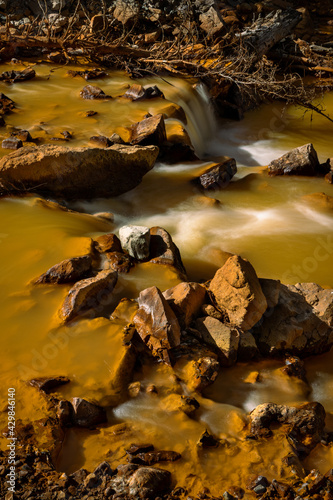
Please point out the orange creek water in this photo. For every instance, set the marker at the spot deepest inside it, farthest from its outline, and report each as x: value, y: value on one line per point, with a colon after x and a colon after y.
x: 266, y: 220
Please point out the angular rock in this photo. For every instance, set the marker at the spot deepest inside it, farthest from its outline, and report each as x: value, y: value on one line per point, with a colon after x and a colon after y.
x: 186, y: 300
x: 126, y: 11
x: 271, y: 290
x: 298, y: 161
x: 138, y: 92
x: 76, y: 172
x: 237, y: 292
x: 223, y: 338
x: 107, y: 243
x: 210, y: 17
x: 219, y: 175
x: 157, y: 324
x: 48, y: 384
x: 116, y: 139
x: 93, y: 92
x: 23, y: 135
x: 11, y: 143
x: 321, y: 299
x: 305, y: 423
x: 87, y: 414
x: 135, y: 240
x: 67, y: 271
x: 293, y: 327
x: 172, y: 110
x: 88, y: 296
x: 153, y: 457
x: 150, y: 131
x: 163, y: 250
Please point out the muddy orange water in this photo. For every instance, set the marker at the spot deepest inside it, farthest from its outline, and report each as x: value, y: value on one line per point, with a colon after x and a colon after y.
x: 267, y: 220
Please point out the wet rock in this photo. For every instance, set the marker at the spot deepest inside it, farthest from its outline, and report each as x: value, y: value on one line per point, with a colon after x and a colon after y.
x: 236, y: 291
x: 107, y: 243
x: 157, y: 324
x: 305, y: 423
x: 88, y: 114
x: 100, y: 140
x: 119, y: 261
x: 223, y: 338
x: 11, y: 143
x: 103, y: 469
x: 210, y: 17
x: 126, y: 11
x: 89, y: 296
x: 319, y: 298
x: 6, y: 104
x: 93, y: 92
x: 293, y: 327
x: 135, y: 240
x: 185, y: 300
x: 76, y: 172
x: 87, y: 414
x: 132, y: 481
x: 88, y: 74
x: 178, y: 147
x: 153, y: 457
x: 271, y: 290
x: 329, y: 177
x: 172, y: 110
x: 162, y: 250
x: 294, y: 368
x: 17, y: 76
x: 188, y: 405
x: 299, y: 161
x: 150, y: 131
x: 195, y: 363
x: 218, y: 176
x: 65, y: 413
x: 48, y: 384
x: 135, y: 449
x: 67, y: 271
x: 138, y: 92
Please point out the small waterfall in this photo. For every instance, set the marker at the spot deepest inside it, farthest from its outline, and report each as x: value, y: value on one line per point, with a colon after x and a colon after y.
x: 201, y: 120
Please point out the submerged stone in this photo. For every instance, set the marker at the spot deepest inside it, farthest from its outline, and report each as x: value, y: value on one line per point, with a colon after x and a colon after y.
x: 48, y: 384
x: 93, y: 92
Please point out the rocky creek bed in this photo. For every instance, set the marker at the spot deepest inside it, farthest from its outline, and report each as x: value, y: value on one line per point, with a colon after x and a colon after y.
x: 167, y: 343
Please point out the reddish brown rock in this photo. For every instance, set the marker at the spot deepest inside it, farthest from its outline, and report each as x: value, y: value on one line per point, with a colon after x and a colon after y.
x: 119, y: 261
x: 6, y: 104
x: 186, y: 300
x: 219, y: 175
x: 150, y: 131
x: 18, y: 76
x: 93, y: 92
x: 299, y: 161
x: 157, y: 324
x: 237, y: 292
x: 23, y: 135
x: 67, y: 271
x: 107, y: 243
x: 89, y: 296
x: 162, y: 250
x: 87, y: 414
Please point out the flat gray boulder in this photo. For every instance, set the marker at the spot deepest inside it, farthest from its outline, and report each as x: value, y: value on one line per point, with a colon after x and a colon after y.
x: 74, y: 173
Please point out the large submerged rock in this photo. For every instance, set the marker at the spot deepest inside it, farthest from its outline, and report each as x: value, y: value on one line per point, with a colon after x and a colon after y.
x: 76, y: 172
